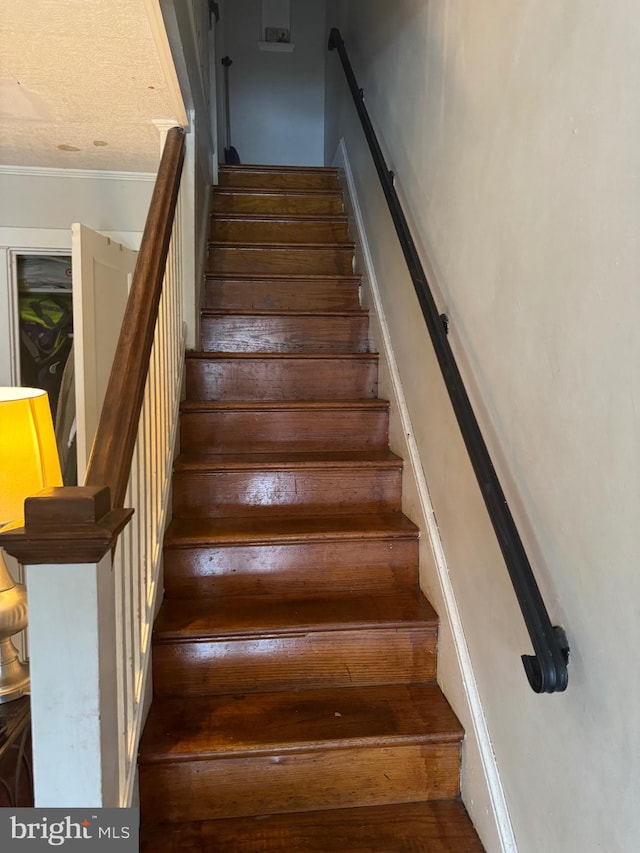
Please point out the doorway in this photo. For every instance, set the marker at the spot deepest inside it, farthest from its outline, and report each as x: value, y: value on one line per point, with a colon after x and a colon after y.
x: 44, y: 333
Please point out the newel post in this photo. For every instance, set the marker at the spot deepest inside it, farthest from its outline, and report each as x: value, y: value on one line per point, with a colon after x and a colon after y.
x: 66, y: 546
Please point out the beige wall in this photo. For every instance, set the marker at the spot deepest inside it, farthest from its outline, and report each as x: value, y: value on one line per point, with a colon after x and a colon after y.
x: 54, y: 198
x: 513, y: 131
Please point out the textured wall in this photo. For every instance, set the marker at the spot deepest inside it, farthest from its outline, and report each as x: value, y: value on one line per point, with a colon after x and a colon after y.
x: 80, y: 83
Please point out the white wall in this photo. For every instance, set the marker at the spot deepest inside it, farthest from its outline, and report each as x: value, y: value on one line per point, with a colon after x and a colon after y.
x: 512, y: 129
x: 277, y: 99
x: 37, y: 207
x: 54, y: 198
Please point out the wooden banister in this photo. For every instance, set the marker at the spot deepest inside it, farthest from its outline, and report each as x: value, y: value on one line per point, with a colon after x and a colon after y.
x: 112, y: 450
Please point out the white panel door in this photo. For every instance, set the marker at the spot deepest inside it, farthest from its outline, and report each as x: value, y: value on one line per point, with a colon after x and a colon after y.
x: 102, y: 270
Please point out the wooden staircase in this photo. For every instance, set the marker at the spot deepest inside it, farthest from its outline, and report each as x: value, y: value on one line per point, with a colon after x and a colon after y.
x: 295, y: 703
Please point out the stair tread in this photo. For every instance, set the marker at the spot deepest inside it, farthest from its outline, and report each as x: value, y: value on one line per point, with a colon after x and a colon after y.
x: 280, y: 217
x: 190, y: 532
x: 275, y: 169
x: 437, y: 826
x: 217, y: 355
x: 275, y: 191
x: 279, y: 312
x: 280, y: 245
x: 213, y: 275
x: 184, y: 619
x: 294, y: 459
x: 267, y: 405
x: 292, y: 722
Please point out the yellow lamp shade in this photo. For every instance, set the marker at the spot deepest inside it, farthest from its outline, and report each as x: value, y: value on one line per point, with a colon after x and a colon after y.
x: 28, y: 454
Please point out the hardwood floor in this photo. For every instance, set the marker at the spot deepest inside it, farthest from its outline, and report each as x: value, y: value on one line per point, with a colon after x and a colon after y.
x: 295, y: 699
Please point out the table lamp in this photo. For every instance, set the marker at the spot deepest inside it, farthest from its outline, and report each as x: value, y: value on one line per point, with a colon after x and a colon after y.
x: 28, y: 463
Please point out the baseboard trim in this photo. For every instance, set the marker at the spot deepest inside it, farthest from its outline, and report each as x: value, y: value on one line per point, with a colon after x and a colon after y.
x: 493, y: 784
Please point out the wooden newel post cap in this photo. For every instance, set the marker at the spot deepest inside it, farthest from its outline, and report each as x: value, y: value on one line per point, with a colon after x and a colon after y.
x: 66, y: 524
x: 63, y: 505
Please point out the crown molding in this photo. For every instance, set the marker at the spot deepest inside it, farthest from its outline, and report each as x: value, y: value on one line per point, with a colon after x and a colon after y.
x: 87, y: 174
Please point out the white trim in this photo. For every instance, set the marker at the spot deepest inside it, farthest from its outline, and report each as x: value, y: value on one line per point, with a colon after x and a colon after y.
x: 51, y: 241
x: 92, y: 174
x: 481, y: 732
x: 163, y: 126
x: 144, y: 688
x: 165, y: 58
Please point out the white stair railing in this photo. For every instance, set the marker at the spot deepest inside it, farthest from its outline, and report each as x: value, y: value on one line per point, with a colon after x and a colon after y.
x: 138, y: 556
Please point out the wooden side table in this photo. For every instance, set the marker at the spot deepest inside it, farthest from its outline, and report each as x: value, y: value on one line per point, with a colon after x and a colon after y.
x: 16, y: 779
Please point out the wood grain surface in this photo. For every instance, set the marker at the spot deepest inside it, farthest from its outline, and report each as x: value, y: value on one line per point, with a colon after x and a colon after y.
x: 435, y: 826
x: 311, y: 202
x: 295, y: 704
x: 277, y: 228
x: 293, y: 331
x: 289, y: 293
x: 281, y: 376
x: 278, y: 177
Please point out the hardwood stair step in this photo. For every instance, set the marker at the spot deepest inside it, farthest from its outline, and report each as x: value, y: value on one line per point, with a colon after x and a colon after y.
x: 275, y: 228
x: 248, y: 200
x: 241, y: 556
x: 256, y: 484
x: 278, y: 331
x: 247, y: 755
x: 185, y: 621
x: 307, y: 258
x: 293, y: 292
x: 281, y: 376
x: 435, y: 826
x: 294, y: 655
x: 279, y: 177
x: 300, y: 425
x: 209, y: 646
x: 231, y: 725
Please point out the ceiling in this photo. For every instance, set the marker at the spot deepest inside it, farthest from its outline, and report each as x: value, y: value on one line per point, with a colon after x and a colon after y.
x: 81, y: 83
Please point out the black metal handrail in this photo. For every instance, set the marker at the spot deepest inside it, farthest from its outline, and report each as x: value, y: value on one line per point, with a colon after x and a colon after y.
x: 547, y: 668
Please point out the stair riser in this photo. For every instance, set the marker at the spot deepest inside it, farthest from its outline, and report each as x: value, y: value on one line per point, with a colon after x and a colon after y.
x: 310, y: 659
x: 311, y: 295
x: 271, y: 431
x: 286, y: 379
x: 237, y: 201
x: 312, y: 567
x: 435, y: 826
x: 279, y: 231
x: 278, y: 180
x: 286, y: 493
x: 336, y: 778
x: 276, y: 294
x: 237, y: 333
x: 292, y: 260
